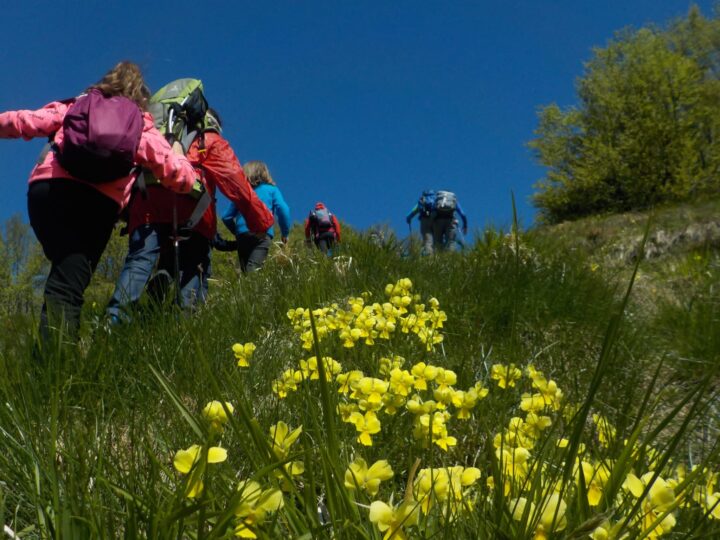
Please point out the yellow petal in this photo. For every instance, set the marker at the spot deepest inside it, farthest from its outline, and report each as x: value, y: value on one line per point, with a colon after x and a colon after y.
x: 216, y: 454
x: 381, y: 514
x: 271, y: 500
x: 634, y: 484
x: 184, y: 459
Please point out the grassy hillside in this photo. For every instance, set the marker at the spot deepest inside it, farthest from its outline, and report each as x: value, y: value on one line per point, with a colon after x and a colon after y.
x: 96, y: 439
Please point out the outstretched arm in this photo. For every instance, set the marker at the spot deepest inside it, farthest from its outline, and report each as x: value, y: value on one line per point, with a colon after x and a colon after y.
x: 29, y: 124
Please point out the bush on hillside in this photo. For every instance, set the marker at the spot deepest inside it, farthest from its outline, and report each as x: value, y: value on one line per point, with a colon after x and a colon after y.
x: 645, y: 129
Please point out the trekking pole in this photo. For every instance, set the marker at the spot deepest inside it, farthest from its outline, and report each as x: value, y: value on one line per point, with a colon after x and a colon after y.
x: 176, y: 251
x: 169, y: 135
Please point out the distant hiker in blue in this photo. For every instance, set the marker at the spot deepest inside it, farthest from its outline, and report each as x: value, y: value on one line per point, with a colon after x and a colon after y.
x: 436, y: 211
x: 252, y: 251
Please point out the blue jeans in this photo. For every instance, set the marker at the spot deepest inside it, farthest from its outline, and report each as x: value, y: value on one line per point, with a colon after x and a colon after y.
x: 151, y: 246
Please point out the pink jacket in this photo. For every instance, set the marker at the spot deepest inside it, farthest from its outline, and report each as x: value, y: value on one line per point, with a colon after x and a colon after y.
x: 174, y: 171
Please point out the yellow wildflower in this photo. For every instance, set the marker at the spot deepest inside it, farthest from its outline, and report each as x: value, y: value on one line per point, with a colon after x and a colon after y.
x: 243, y: 353
x: 392, y: 521
x: 367, y: 478
x: 189, y: 460
x: 506, y: 376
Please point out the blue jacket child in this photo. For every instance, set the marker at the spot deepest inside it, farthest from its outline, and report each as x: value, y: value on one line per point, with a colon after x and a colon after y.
x: 252, y: 251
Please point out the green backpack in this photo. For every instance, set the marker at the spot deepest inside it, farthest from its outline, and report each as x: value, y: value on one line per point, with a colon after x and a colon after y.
x: 180, y: 111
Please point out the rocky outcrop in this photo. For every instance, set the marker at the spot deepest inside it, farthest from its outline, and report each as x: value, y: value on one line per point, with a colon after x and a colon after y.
x: 663, y: 242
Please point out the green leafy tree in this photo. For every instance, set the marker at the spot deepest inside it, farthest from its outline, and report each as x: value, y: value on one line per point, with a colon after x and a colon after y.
x: 22, y: 268
x: 645, y: 128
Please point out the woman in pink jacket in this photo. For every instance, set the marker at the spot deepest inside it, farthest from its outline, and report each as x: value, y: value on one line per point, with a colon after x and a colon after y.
x: 72, y: 218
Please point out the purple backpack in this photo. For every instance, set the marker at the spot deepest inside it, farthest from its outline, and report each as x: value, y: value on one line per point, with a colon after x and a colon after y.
x: 101, y: 137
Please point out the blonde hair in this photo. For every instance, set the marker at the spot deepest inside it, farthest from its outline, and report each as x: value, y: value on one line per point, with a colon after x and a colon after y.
x: 125, y: 79
x: 257, y: 173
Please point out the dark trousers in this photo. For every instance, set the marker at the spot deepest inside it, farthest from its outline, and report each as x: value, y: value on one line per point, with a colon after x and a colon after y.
x: 252, y: 251
x: 325, y: 242
x: 73, y: 223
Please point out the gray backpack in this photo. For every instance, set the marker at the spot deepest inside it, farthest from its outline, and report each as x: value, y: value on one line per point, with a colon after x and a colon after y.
x: 445, y: 203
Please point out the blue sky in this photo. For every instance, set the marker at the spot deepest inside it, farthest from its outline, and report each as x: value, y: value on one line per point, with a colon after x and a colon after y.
x: 358, y: 104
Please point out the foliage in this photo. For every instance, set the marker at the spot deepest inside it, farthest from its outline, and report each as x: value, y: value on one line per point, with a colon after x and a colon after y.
x: 645, y: 129
x: 175, y: 426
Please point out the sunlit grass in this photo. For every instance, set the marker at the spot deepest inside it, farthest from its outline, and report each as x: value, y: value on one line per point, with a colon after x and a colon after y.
x: 519, y: 401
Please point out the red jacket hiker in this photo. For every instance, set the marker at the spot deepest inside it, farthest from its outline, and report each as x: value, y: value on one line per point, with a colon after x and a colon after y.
x: 321, y: 222
x: 218, y: 166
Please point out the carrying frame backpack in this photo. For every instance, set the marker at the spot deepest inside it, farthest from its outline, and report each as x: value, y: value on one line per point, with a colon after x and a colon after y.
x: 445, y: 203
x: 179, y: 109
x: 101, y: 135
x: 180, y: 112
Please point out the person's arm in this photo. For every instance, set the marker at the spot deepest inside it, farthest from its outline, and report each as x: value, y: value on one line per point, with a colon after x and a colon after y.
x: 223, y: 167
x: 30, y: 124
x: 412, y: 213
x: 336, y: 225
x: 172, y: 169
x: 307, y: 229
x: 462, y: 215
x: 282, y: 210
x: 228, y: 218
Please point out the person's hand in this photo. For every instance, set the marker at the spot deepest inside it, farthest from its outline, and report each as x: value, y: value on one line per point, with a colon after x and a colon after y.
x: 408, y: 219
x: 464, y: 230
x: 178, y: 149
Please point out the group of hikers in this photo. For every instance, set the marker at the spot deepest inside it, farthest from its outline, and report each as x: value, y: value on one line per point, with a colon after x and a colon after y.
x: 156, y: 162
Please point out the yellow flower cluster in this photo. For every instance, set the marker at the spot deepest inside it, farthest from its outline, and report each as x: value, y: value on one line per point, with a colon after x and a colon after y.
x: 425, y: 390
x: 362, y: 322
x: 427, y: 395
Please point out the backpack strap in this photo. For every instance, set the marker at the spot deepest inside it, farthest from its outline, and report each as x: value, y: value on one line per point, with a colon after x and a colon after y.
x: 200, y: 209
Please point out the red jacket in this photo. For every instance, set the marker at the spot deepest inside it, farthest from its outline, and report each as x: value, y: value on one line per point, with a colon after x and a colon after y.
x: 312, y: 228
x: 219, y: 168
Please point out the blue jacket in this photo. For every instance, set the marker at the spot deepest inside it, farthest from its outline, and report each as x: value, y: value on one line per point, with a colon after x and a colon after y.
x: 273, y: 199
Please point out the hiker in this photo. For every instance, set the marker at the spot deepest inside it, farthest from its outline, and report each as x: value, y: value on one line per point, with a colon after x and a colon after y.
x: 84, y: 178
x: 324, y: 228
x: 176, y: 232
x: 436, y: 211
x: 252, y: 251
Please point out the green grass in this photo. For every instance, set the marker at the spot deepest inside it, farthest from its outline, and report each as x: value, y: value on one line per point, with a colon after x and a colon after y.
x: 88, y: 433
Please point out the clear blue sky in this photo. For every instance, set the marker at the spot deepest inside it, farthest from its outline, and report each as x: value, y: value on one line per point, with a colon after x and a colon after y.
x: 358, y: 104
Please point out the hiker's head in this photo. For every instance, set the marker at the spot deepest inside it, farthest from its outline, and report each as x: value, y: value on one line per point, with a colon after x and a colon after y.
x: 125, y: 79
x: 319, y: 205
x: 257, y: 173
